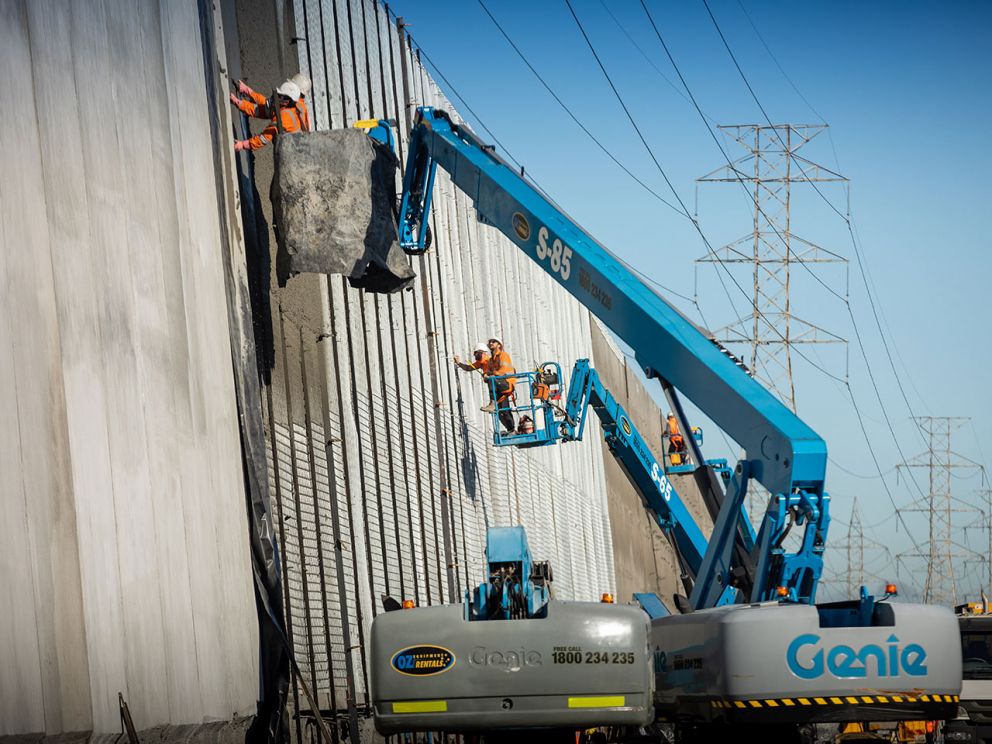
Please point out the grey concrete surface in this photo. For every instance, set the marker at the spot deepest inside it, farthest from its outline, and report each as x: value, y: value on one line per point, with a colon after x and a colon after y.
x: 221, y: 732
x: 644, y: 559
x: 381, y: 462
x: 124, y: 553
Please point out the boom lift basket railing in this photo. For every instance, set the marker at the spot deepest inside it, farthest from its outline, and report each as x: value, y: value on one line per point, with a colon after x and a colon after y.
x: 536, y: 407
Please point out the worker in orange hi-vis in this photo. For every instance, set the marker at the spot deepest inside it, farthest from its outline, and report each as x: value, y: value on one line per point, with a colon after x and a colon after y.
x: 500, y: 364
x: 293, y: 113
x: 494, y: 364
x: 676, y: 444
x: 305, y: 87
x: 479, y: 361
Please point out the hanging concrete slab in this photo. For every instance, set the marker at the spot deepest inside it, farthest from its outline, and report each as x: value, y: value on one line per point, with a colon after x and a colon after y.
x: 334, y: 199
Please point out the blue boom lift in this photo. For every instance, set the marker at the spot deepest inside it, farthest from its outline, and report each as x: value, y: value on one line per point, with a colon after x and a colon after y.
x: 553, y: 423
x: 777, y: 658
x: 780, y: 451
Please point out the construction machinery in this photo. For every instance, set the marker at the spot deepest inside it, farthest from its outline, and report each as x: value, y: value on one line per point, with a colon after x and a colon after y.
x: 749, y: 645
x: 973, y: 719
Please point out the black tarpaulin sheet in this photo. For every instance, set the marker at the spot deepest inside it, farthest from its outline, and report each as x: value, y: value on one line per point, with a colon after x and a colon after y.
x: 334, y: 196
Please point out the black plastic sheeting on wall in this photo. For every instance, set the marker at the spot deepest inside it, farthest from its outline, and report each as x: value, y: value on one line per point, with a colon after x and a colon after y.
x: 274, y: 646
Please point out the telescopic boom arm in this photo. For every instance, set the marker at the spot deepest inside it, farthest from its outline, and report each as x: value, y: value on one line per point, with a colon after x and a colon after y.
x: 781, y: 452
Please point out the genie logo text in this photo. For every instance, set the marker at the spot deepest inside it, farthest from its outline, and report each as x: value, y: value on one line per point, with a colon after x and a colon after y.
x: 808, y: 658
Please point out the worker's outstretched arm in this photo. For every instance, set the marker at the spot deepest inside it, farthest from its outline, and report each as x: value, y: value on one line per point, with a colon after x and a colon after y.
x: 259, y: 140
x: 469, y: 366
x: 252, y: 108
x: 256, y: 97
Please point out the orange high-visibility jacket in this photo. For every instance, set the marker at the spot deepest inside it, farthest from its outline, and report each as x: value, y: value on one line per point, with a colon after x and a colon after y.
x: 258, y: 106
x: 500, y: 364
x: 294, y: 119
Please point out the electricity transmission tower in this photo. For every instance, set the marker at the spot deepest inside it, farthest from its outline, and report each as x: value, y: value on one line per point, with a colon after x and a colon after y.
x: 767, y: 170
x: 986, y: 525
x: 940, y: 550
x: 854, y: 546
x: 855, y: 550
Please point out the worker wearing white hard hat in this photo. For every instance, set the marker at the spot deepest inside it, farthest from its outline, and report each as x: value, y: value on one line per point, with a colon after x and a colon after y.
x: 498, y: 366
x: 480, y: 356
x: 303, y: 83
x: 305, y: 86
x: 289, y: 89
x: 495, y: 363
x: 292, y: 111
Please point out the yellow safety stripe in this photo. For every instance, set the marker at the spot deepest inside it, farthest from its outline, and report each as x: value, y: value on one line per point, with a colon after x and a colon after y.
x: 846, y: 700
x: 601, y: 701
x: 421, y: 706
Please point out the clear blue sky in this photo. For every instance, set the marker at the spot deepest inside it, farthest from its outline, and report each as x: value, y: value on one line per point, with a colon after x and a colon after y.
x: 905, y: 88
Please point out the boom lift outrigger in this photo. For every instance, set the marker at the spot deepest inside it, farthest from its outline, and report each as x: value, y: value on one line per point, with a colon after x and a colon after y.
x: 778, y: 657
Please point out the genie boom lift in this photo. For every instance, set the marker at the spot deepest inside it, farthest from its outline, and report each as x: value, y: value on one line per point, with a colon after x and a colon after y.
x: 750, y: 647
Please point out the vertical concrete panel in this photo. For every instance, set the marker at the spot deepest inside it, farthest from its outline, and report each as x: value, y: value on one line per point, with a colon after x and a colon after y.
x: 116, y: 342
x: 216, y: 528
x: 352, y: 477
x: 21, y: 684
x: 345, y: 62
x: 44, y: 686
x: 159, y: 289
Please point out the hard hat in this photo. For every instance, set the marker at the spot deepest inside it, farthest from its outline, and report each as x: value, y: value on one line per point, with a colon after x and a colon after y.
x: 290, y: 90
x: 497, y: 339
x: 671, y: 415
x: 480, y: 347
x: 303, y: 82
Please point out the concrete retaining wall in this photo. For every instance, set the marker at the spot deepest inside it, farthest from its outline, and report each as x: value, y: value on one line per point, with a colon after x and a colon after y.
x: 124, y: 560
x: 376, y: 439
x: 643, y: 556
x: 381, y: 464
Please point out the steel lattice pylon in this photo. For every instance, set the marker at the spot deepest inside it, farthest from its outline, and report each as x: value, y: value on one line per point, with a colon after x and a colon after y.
x: 854, y: 546
x: 941, y: 549
x: 768, y: 170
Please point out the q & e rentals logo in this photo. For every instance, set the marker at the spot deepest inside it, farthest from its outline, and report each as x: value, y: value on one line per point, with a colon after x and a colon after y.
x: 423, y: 661
x: 807, y: 659
x: 521, y: 226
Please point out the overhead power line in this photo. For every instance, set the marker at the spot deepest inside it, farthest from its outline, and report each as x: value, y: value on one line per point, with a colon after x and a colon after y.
x: 489, y: 132
x: 780, y: 68
x: 572, y: 115
x: 630, y: 117
x: 647, y: 58
x: 674, y: 191
x: 843, y: 216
